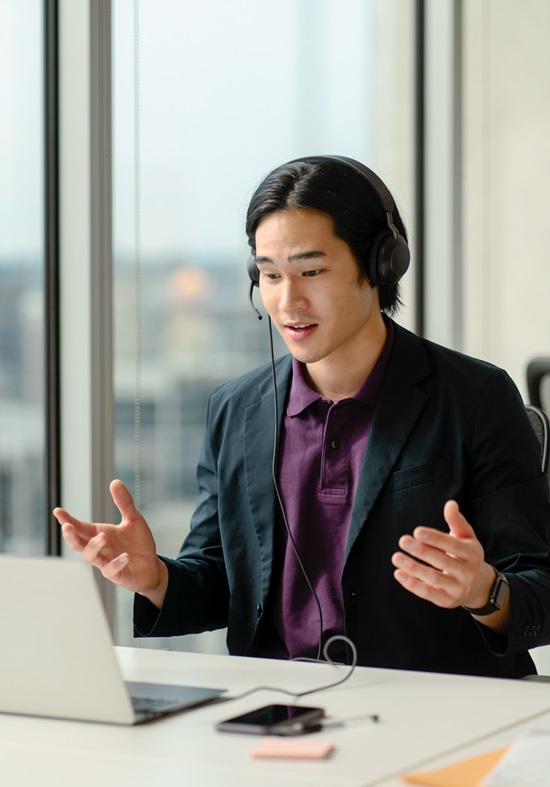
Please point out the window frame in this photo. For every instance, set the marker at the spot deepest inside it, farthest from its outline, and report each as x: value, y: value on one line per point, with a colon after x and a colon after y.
x: 52, y: 457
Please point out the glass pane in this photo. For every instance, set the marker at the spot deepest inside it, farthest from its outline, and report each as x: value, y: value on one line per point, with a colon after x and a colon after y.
x: 22, y: 526
x: 226, y: 92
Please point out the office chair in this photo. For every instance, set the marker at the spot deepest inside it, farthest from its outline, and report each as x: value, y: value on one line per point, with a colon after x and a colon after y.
x: 541, y: 425
x: 538, y: 383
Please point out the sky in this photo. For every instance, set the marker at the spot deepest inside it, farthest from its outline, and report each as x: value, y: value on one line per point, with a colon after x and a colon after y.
x: 20, y: 129
x: 226, y: 92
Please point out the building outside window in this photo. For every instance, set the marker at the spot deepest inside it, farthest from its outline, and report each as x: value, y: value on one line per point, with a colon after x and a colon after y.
x: 207, y: 98
x: 22, y: 389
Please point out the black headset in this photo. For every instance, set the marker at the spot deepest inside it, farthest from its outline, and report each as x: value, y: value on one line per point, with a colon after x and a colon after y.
x: 389, y: 254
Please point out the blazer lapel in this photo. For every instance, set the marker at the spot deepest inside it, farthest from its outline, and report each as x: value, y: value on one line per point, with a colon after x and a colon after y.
x: 399, y: 405
x: 259, y: 436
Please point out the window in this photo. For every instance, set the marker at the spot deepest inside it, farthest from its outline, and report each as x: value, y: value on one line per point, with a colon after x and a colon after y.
x: 22, y: 389
x: 207, y: 98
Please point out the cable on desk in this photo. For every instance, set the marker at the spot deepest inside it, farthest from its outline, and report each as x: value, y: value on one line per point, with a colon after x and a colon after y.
x: 327, y: 659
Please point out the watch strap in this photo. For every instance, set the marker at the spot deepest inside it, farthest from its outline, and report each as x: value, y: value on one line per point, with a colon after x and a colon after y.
x: 497, y: 596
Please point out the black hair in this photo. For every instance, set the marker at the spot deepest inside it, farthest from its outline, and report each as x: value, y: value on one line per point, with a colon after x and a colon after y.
x: 342, y: 193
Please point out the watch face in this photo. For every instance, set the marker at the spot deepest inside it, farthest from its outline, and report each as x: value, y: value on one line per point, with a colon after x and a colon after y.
x: 501, y: 594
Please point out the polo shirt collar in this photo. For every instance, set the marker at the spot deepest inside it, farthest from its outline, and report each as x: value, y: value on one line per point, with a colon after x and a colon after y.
x: 302, y: 396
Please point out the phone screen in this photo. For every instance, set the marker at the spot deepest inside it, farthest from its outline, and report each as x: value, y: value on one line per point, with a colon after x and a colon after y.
x: 271, y: 717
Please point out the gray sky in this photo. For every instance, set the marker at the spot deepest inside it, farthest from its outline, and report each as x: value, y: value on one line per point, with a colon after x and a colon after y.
x: 227, y: 91
x: 20, y: 128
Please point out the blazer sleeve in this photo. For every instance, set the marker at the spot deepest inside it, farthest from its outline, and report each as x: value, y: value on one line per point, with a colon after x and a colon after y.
x: 197, y: 597
x: 508, y: 505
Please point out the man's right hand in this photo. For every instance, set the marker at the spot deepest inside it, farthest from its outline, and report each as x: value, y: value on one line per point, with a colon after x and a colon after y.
x: 125, y: 553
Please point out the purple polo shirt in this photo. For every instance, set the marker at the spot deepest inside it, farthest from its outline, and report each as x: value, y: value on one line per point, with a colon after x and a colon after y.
x: 322, y: 445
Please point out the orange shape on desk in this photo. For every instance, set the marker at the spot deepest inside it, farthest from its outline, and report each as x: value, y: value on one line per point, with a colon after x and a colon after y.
x: 466, y: 773
x: 293, y: 748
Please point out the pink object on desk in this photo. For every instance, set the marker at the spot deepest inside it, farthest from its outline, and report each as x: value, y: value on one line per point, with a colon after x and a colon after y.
x: 292, y: 749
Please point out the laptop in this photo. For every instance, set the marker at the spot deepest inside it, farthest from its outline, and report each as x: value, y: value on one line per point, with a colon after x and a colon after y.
x: 56, y: 654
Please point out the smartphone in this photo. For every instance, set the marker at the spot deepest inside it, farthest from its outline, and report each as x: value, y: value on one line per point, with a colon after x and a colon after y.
x: 274, y: 720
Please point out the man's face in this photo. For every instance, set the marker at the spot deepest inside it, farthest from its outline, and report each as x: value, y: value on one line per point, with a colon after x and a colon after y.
x: 311, y: 288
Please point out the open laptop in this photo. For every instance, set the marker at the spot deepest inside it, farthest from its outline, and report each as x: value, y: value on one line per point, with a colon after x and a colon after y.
x: 56, y: 653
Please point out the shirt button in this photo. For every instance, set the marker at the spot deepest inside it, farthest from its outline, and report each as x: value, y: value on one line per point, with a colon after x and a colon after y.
x: 335, y: 444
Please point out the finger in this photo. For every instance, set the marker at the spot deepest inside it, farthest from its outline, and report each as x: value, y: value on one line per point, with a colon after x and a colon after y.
x: 123, y: 500
x: 425, y: 540
x: 423, y: 573
x: 92, y: 551
x: 88, y: 529
x: 459, y: 526
x: 63, y: 516
x: 78, y: 534
x: 420, y: 589
x: 115, y: 568
x: 437, y: 556
x: 72, y: 538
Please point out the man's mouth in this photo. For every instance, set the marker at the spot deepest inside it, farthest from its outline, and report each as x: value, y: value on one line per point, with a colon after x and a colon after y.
x: 300, y: 330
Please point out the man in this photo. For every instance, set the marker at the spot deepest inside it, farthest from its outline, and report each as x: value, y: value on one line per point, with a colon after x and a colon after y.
x: 407, y: 508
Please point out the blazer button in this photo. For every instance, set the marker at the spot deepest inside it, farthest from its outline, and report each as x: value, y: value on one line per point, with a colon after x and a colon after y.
x: 259, y: 610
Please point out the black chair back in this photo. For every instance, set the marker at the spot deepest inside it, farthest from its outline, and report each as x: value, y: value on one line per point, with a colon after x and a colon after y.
x: 538, y: 383
x: 541, y: 425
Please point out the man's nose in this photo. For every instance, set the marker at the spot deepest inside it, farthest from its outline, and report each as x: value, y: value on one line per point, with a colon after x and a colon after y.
x: 292, y: 295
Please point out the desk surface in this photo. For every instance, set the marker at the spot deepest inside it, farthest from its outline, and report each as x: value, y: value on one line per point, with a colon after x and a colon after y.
x: 425, y: 719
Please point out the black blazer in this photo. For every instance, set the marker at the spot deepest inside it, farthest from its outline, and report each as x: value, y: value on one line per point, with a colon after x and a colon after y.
x: 445, y: 426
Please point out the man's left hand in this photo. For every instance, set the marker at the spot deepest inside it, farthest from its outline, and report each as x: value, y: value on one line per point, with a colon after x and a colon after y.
x: 448, y: 569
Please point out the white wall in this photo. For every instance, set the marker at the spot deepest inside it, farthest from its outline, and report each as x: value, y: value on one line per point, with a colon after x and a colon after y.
x: 506, y: 174
x: 506, y: 197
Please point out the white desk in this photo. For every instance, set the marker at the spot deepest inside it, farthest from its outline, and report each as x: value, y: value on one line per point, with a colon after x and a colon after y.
x: 425, y: 719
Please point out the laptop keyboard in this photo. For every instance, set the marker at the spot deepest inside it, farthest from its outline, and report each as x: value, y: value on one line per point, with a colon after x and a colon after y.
x: 151, y: 700
x: 153, y: 704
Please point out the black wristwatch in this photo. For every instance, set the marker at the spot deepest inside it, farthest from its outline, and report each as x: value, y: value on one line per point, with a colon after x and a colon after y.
x: 497, y: 596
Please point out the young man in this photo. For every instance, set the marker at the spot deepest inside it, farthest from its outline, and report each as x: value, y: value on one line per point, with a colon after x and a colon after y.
x: 407, y: 508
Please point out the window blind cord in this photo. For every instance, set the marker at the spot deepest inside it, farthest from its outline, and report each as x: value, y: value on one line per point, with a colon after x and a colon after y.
x: 137, y: 263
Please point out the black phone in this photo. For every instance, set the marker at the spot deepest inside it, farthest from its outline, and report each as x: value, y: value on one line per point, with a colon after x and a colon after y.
x: 275, y: 720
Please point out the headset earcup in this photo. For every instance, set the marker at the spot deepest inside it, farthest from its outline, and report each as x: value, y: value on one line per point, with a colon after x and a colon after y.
x: 253, y: 271
x: 388, y: 260
x: 373, y: 267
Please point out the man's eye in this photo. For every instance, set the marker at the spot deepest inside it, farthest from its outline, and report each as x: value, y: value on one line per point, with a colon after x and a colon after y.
x: 311, y: 273
x: 271, y: 276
